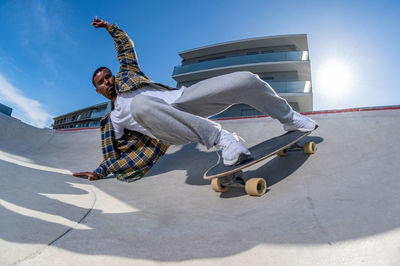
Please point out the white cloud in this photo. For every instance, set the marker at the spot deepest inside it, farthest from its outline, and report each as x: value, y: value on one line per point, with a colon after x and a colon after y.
x: 28, y: 110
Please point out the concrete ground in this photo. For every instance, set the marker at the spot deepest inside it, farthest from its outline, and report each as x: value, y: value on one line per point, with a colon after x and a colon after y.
x: 340, y: 206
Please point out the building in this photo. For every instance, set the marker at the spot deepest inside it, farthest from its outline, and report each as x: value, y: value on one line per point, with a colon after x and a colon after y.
x: 86, y: 117
x: 282, y: 61
x: 5, y: 109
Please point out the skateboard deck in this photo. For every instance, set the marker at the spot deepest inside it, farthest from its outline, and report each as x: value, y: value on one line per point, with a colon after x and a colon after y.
x: 225, y: 176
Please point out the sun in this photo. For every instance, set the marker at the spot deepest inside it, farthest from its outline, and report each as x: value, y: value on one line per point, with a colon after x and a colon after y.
x: 335, y: 78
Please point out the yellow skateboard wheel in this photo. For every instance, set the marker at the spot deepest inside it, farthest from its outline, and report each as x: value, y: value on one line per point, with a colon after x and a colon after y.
x: 256, y: 186
x: 217, y: 186
x: 310, y: 148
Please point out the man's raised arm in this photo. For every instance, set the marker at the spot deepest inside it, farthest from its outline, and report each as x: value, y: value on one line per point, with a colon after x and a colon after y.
x: 123, y: 44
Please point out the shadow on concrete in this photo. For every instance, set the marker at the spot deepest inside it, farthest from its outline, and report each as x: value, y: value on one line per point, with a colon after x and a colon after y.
x: 32, y: 215
x: 272, y: 171
x: 276, y: 169
x: 184, y: 159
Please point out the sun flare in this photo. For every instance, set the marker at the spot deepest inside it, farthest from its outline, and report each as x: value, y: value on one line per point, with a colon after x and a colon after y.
x: 335, y: 78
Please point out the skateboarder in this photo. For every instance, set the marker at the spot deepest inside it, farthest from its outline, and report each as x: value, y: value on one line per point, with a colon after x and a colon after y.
x: 147, y: 116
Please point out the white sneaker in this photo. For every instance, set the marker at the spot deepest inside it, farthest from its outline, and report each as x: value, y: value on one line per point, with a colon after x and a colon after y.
x: 301, y: 123
x: 233, y: 152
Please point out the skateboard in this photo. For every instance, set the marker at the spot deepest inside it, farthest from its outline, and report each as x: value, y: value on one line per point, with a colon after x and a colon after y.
x: 222, y: 177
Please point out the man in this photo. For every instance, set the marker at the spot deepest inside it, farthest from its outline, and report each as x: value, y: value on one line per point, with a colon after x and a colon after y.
x: 146, y: 116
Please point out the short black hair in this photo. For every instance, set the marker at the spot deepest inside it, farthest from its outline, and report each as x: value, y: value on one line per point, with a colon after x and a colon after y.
x: 97, y: 71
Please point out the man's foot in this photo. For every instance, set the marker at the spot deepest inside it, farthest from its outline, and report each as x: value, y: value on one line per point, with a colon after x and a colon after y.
x: 233, y: 152
x: 301, y: 123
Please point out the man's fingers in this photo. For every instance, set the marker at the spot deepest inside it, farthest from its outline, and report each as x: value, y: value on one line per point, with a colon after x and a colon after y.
x: 96, y: 22
x: 99, y: 23
x: 81, y: 174
x: 93, y: 177
x: 89, y: 175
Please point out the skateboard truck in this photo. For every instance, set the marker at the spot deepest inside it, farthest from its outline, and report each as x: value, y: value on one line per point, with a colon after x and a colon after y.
x: 308, y: 148
x: 233, y: 179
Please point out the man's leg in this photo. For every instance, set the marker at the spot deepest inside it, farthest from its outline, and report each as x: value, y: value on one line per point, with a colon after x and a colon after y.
x: 214, y: 95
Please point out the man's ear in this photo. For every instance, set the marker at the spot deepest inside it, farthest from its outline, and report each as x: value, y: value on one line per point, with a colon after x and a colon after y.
x: 98, y: 91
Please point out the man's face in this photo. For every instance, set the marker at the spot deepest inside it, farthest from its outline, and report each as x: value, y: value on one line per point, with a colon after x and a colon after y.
x: 105, y: 84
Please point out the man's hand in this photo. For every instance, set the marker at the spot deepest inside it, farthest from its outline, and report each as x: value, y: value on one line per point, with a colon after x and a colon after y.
x: 89, y: 175
x: 99, y: 23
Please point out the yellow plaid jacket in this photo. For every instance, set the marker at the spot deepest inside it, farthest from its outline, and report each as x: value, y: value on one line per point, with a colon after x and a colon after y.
x: 130, y: 157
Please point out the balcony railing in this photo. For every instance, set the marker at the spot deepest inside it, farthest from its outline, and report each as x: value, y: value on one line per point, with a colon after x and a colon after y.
x: 242, y: 60
x: 290, y: 86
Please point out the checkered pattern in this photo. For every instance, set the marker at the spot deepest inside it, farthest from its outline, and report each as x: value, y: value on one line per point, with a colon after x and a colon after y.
x: 130, y: 157
x: 130, y: 77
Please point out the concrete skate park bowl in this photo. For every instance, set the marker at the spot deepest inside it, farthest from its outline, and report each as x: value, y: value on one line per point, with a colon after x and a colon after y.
x: 340, y: 206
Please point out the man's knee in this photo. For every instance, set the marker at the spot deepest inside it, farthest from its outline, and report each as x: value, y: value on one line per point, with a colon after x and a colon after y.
x: 246, y: 79
x: 250, y: 77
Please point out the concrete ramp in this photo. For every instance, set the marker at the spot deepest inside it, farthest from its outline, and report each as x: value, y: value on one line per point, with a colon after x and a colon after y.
x: 340, y: 206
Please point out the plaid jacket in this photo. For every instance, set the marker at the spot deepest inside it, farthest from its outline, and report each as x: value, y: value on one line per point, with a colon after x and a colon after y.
x: 130, y: 157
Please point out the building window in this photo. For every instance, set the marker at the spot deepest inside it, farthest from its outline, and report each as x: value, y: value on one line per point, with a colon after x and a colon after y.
x: 249, y: 112
x: 295, y: 106
x: 267, y: 78
x: 85, y: 115
x: 212, y: 58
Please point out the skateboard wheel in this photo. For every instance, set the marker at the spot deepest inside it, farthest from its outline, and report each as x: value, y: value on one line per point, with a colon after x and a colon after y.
x: 256, y: 187
x: 217, y: 186
x: 282, y: 153
x: 310, y: 148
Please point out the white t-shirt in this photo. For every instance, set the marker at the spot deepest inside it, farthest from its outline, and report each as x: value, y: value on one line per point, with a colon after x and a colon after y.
x: 121, y: 115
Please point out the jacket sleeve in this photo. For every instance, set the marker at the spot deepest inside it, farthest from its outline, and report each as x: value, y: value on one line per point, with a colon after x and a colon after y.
x: 102, y: 171
x: 125, y: 49
x: 125, y: 168
x: 130, y: 157
x: 117, y: 167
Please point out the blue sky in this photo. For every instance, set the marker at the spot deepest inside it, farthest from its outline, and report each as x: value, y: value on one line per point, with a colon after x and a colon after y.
x: 48, y: 50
